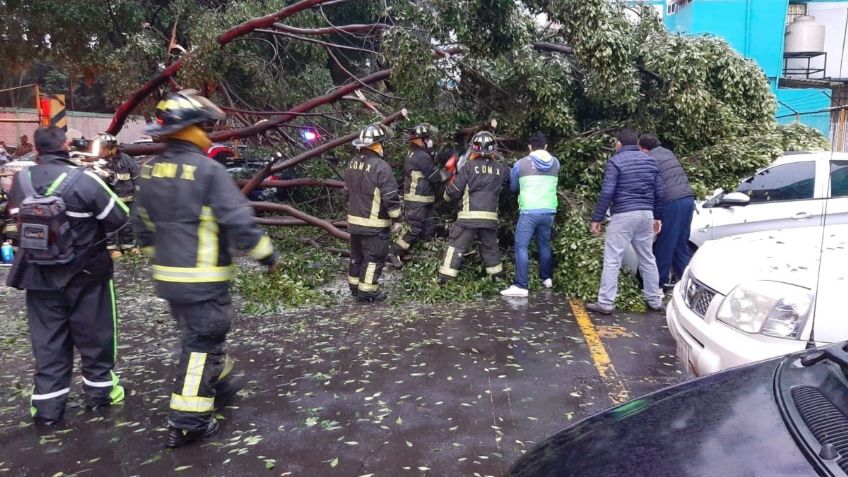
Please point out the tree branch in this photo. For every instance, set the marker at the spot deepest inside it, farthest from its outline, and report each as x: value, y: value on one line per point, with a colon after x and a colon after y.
x: 331, y: 183
x: 127, y: 106
x: 298, y: 214
x: 266, y: 21
x: 219, y: 136
x: 360, y: 28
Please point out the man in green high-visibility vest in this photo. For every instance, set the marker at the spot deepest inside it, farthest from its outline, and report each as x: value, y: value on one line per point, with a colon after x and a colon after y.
x: 534, y: 177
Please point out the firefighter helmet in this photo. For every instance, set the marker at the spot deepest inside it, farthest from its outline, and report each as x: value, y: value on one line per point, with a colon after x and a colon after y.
x: 372, y: 134
x: 423, y: 131
x: 484, y: 143
x: 182, y: 109
x: 107, y: 140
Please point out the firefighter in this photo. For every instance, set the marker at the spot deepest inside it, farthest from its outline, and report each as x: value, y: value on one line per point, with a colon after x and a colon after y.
x: 67, y: 274
x: 421, y: 177
x: 479, y: 183
x: 124, y: 178
x: 188, y: 215
x: 373, y: 203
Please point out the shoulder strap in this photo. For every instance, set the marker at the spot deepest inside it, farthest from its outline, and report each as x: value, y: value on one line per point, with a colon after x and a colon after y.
x: 69, y: 181
x: 25, y: 178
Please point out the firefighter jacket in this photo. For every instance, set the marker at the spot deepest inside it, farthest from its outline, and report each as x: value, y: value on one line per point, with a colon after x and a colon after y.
x: 126, y: 176
x: 372, y: 194
x: 479, y: 185
x: 420, y: 178
x: 188, y: 214
x: 93, y: 211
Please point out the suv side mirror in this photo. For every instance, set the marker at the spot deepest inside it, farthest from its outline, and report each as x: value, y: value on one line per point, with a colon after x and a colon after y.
x: 734, y: 198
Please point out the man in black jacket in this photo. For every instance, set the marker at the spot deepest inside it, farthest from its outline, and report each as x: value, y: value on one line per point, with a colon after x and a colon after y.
x: 479, y: 184
x: 372, y: 205
x: 672, y: 245
x: 70, y: 305
x: 188, y: 216
x: 124, y: 178
x: 421, y: 177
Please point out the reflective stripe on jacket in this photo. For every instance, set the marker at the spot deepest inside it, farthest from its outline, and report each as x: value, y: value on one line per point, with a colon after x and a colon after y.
x: 478, y: 184
x: 420, y: 177
x: 536, y: 182
x: 92, y: 209
x: 189, y: 214
x: 372, y: 194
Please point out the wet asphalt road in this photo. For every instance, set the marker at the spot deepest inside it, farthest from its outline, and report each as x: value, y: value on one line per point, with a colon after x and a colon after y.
x: 348, y: 391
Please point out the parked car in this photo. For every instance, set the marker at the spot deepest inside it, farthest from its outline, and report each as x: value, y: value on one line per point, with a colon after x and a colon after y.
x: 789, y: 193
x: 778, y: 418
x: 755, y: 296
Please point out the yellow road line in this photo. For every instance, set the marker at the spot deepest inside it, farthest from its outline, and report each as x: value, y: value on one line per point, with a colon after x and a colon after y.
x: 616, y: 388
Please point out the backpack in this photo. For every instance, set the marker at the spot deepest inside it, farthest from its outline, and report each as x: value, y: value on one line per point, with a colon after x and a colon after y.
x: 45, y: 231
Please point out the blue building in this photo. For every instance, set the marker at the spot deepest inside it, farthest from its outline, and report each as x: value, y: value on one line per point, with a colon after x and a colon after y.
x: 756, y: 28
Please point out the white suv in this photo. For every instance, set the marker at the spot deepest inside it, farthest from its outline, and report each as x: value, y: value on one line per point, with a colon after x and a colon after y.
x: 756, y: 296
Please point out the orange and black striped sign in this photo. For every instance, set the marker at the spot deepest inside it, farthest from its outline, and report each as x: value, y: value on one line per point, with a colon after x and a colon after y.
x: 57, y: 111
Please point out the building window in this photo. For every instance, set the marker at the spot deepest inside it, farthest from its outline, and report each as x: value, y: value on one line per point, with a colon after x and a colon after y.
x: 796, y: 10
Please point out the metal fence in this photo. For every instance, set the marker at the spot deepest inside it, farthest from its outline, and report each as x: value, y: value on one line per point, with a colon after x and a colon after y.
x: 15, y: 122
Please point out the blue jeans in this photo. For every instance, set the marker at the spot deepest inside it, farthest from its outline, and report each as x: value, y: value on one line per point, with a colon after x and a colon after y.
x: 672, y: 245
x: 540, y: 226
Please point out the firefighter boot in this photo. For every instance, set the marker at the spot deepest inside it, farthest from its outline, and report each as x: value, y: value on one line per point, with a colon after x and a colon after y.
x: 226, y: 390
x: 181, y: 437
x: 378, y: 297
x: 394, y: 260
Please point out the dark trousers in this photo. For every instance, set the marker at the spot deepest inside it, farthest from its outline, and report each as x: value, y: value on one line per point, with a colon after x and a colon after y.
x: 671, y: 248
x: 203, y: 362
x: 460, y: 239
x: 367, y: 258
x: 82, y: 317
x: 420, y: 225
x: 124, y: 239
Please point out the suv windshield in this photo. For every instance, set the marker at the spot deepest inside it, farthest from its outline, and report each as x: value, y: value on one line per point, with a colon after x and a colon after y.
x: 793, y: 181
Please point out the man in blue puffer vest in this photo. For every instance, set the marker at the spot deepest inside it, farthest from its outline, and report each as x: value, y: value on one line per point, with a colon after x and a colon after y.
x: 534, y: 177
x: 633, y: 192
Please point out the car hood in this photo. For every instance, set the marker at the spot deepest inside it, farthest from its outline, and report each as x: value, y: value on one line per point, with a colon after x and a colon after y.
x: 790, y: 255
x: 723, y: 424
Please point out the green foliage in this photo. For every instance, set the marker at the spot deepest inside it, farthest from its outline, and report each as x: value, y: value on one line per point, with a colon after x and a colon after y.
x: 579, y: 257
x: 420, y: 283
x: 295, y: 282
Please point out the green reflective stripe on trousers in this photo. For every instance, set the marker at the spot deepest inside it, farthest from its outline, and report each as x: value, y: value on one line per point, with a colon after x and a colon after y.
x: 114, y: 321
x: 537, y: 192
x: 117, y: 394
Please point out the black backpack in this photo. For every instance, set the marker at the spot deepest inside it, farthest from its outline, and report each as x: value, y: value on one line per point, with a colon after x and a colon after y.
x: 45, y: 230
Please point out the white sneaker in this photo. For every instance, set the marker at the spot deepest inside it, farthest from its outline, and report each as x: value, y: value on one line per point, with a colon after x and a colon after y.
x: 548, y: 283
x: 515, y: 291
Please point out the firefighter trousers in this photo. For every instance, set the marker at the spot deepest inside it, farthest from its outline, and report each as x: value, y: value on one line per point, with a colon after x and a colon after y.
x: 124, y: 239
x: 367, y: 258
x: 460, y: 239
x: 204, y: 366
x: 420, y: 225
x: 83, y: 317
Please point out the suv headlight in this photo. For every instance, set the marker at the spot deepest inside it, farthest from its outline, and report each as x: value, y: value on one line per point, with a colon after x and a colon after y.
x: 770, y: 308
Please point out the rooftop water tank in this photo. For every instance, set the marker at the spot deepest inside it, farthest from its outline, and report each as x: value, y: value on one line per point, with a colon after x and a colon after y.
x: 804, y: 35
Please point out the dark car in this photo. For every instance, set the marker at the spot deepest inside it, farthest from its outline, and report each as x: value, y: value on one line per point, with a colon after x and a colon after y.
x: 782, y: 417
